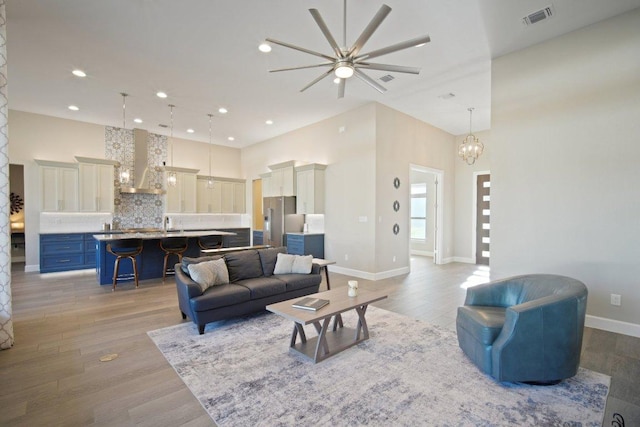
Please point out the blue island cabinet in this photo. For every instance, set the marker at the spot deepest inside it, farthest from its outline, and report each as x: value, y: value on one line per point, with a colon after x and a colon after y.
x: 305, y: 244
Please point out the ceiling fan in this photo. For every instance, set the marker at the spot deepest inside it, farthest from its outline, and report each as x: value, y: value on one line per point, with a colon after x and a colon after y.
x: 348, y: 62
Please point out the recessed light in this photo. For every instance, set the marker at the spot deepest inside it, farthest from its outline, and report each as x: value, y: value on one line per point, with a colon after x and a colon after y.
x: 161, y: 95
x: 222, y: 110
x: 73, y: 108
x: 137, y: 120
x: 79, y: 73
x: 269, y: 122
x: 337, y: 80
x: 190, y: 130
x: 264, y: 47
x: 231, y: 138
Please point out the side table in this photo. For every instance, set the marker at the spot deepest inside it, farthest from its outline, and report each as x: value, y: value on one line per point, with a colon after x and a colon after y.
x: 323, y: 263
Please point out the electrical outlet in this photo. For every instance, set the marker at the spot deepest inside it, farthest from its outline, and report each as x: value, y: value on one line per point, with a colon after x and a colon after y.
x: 616, y: 299
x: 346, y: 257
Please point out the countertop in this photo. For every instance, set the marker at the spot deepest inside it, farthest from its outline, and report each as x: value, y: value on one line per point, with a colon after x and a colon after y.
x: 306, y: 234
x: 160, y: 234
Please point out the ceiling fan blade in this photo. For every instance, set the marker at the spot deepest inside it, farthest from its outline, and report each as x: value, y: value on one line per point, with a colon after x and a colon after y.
x: 394, y: 48
x: 322, y: 76
x: 341, y: 86
x: 370, y: 29
x: 301, y: 49
x: 302, y: 67
x: 368, y: 80
x: 387, y: 67
x: 326, y: 32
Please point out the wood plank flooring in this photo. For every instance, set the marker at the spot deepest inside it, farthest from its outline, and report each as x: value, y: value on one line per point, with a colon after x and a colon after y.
x: 64, y: 323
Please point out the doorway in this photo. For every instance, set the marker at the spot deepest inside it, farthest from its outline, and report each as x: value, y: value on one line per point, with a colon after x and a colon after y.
x: 16, y: 219
x: 426, y: 211
x: 483, y: 218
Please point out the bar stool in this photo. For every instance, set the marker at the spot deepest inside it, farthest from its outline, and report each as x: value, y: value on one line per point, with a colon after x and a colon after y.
x: 125, y: 248
x: 210, y: 242
x: 172, y: 246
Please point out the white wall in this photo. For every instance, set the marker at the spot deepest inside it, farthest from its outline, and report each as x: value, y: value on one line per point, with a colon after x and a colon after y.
x: 402, y: 141
x: 225, y: 161
x: 464, y: 228
x: 565, y: 171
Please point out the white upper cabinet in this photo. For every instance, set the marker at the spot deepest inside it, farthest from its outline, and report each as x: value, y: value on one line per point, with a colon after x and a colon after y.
x: 310, y: 189
x: 59, y: 186
x: 226, y: 196
x: 96, y: 185
x: 283, y: 180
x: 182, y: 197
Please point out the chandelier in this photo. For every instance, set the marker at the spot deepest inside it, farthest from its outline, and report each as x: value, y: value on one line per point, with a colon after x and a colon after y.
x: 471, y: 148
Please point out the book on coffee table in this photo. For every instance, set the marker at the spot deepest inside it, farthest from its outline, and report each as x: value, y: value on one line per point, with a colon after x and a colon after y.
x: 310, y: 303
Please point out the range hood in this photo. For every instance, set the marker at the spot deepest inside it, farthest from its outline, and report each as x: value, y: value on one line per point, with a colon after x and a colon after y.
x: 140, y: 180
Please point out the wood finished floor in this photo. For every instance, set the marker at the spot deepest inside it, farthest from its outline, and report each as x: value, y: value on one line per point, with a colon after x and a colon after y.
x: 64, y: 323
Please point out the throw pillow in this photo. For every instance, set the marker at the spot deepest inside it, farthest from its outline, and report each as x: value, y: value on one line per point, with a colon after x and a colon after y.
x: 186, y: 261
x: 293, y: 264
x: 284, y: 263
x: 302, y: 264
x: 209, y: 273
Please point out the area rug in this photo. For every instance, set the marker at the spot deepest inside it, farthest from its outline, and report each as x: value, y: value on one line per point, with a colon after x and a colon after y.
x: 408, y: 373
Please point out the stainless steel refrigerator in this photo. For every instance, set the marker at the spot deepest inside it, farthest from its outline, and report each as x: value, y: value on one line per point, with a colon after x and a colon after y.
x: 279, y: 218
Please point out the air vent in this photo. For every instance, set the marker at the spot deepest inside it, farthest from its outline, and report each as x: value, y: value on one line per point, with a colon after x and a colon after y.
x: 538, y: 16
x: 387, y: 78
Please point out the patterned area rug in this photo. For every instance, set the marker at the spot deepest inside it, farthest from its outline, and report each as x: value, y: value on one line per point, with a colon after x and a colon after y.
x: 408, y: 373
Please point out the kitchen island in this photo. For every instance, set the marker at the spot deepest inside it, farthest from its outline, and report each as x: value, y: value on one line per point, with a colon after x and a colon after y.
x: 150, y: 261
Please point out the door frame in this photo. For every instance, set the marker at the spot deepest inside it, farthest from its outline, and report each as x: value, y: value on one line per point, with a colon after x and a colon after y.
x: 438, y: 224
x: 474, y: 211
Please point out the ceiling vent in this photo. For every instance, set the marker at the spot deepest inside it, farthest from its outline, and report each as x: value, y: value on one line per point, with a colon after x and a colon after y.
x: 387, y: 78
x: 538, y: 16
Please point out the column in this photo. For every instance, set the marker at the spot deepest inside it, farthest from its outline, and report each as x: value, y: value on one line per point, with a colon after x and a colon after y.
x: 6, y: 325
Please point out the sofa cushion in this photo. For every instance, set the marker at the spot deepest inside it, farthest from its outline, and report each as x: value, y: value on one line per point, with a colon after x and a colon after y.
x: 209, y: 273
x: 268, y: 258
x: 299, y: 281
x: 187, y: 260
x: 220, y: 296
x: 261, y: 287
x: 288, y: 264
x: 243, y: 265
x: 482, y: 322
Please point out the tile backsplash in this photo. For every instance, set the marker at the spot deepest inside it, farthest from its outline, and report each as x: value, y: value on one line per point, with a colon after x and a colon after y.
x: 136, y: 210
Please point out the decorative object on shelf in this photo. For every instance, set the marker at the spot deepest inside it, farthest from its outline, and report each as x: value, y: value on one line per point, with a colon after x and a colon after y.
x: 172, y: 178
x: 396, y: 229
x: 396, y: 206
x: 210, y: 179
x: 347, y: 62
x: 16, y: 203
x: 125, y: 174
x: 396, y: 182
x: 353, y: 288
x: 471, y: 148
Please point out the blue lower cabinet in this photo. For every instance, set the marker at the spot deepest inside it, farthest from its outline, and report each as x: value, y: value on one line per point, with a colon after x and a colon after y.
x: 305, y: 244
x: 66, y: 252
x: 258, y: 237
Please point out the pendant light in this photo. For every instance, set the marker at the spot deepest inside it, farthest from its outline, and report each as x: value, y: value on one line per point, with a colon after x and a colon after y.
x: 471, y: 148
x: 125, y: 174
x: 172, y: 179
x: 210, y: 180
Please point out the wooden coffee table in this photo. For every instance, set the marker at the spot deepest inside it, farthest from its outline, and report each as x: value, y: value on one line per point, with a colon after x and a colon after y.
x: 328, y: 342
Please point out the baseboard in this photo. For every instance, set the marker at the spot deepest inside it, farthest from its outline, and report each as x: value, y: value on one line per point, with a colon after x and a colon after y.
x: 611, y: 325
x: 367, y: 275
x: 464, y: 260
x: 421, y: 253
x: 32, y: 268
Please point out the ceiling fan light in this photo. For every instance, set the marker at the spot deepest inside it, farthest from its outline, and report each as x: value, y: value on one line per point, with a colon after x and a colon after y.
x: 344, y: 71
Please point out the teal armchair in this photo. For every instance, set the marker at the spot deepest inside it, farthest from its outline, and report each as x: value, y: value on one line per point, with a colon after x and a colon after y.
x: 524, y: 328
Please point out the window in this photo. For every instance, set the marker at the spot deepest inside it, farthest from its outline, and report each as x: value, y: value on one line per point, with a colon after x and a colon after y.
x: 419, y: 211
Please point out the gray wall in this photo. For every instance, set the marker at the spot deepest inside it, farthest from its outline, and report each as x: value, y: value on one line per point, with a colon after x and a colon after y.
x: 565, y: 172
